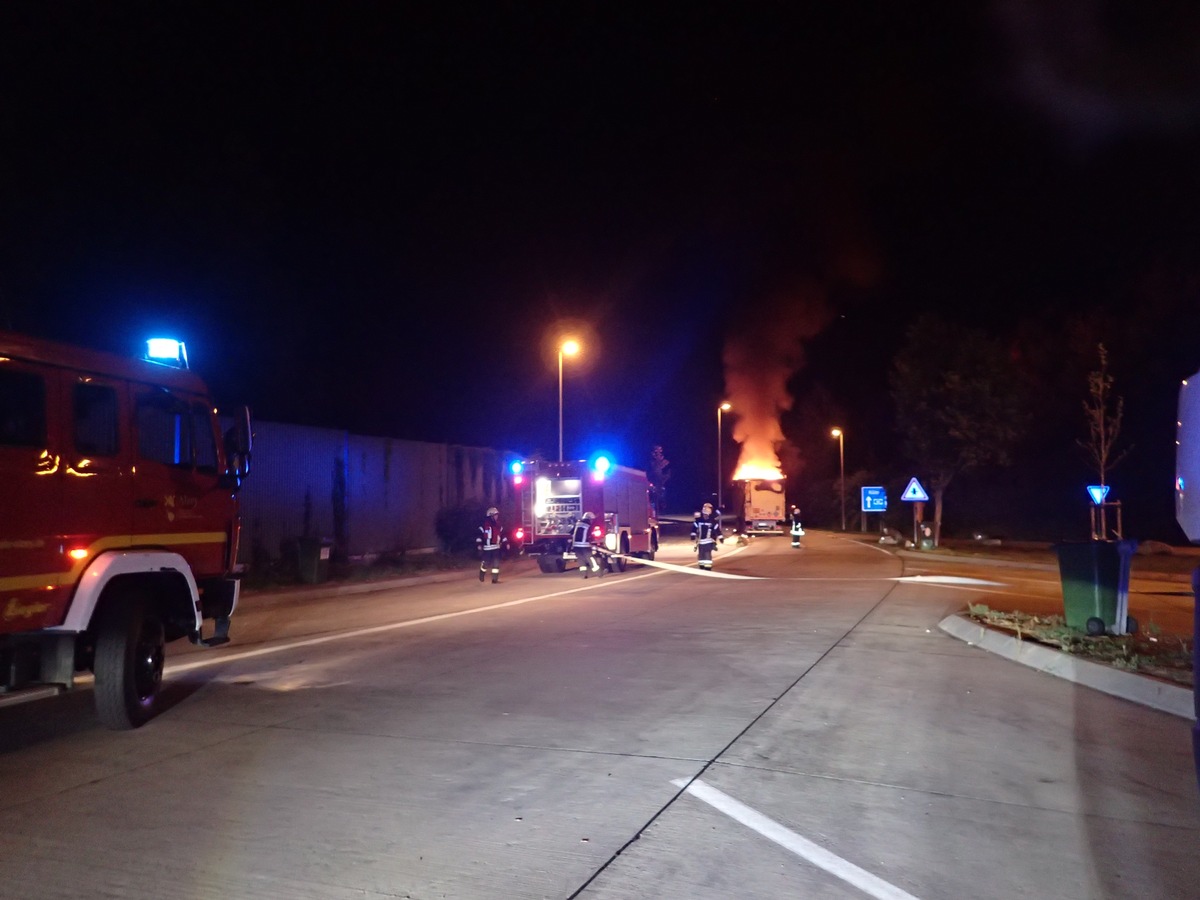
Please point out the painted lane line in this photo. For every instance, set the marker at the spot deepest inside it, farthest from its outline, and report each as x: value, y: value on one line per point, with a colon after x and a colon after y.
x: 947, y: 579
x: 789, y: 840
x: 381, y: 629
x: 172, y: 668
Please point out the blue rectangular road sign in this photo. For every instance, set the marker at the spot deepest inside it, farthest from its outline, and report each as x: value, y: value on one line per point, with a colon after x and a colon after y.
x: 874, y: 499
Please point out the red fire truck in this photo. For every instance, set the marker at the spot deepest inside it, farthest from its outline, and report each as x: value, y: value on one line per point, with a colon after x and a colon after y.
x: 553, y: 495
x: 120, y: 521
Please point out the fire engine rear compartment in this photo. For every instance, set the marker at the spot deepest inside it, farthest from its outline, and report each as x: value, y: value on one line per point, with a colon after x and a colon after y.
x: 556, y: 494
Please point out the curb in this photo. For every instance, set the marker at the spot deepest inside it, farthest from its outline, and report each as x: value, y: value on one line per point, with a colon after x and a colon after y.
x: 1169, y: 698
x: 935, y: 556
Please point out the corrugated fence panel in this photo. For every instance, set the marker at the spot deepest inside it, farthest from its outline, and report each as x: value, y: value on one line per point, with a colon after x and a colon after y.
x: 370, y: 495
x: 289, y: 492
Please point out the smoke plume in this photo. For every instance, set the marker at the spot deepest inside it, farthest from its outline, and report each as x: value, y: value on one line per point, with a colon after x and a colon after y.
x: 759, y: 361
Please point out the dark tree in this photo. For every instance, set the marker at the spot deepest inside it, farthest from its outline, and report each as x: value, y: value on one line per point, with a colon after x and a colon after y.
x: 659, y: 476
x: 960, y: 403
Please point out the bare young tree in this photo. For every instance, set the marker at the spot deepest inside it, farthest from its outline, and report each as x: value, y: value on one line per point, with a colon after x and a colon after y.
x: 659, y: 476
x: 1103, y: 413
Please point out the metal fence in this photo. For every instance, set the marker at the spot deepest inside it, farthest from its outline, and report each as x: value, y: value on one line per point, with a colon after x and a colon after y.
x: 368, y: 496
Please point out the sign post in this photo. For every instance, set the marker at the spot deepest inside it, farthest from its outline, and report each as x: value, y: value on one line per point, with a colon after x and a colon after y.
x: 874, y: 500
x: 1100, y: 504
x: 916, y: 495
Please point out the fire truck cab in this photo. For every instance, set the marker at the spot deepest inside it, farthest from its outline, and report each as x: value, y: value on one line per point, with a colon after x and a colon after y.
x: 554, y: 495
x: 120, y: 520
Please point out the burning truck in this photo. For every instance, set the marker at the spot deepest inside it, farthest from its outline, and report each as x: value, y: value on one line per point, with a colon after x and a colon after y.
x: 760, y: 504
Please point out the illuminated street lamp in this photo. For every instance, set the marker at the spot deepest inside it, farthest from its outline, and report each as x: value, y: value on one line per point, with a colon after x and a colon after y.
x: 570, y: 347
x: 837, y: 433
x: 724, y: 407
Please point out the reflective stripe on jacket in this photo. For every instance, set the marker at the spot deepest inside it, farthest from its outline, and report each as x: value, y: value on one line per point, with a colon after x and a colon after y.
x: 581, y: 535
x: 490, y: 535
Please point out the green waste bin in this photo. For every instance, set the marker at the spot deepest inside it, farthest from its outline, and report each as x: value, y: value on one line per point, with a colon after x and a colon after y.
x: 314, y: 559
x: 925, y: 536
x: 1095, y: 585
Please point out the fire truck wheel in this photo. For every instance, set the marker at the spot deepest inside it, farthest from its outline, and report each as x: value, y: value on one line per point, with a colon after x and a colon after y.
x: 130, y: 652
x: 546, y: 565
x: 560, y: 565
x: 621, y: 561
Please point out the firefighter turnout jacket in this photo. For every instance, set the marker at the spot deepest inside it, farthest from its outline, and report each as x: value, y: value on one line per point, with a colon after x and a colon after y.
x: 706, y: 529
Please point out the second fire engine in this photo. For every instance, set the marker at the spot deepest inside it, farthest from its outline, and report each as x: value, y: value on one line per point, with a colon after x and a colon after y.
x: 554, y: 495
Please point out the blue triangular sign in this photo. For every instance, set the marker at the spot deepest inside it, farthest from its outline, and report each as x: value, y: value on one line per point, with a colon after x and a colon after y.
x: 914, y: 491
x: 1098, y: 492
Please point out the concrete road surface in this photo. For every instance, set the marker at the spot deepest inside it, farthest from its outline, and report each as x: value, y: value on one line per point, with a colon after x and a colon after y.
x: 802, y: 729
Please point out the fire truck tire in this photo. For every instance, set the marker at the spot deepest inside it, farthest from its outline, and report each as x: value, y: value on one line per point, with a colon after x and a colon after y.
x: 546, y: 565
x: 130, y: 651
x: 560, y: 565
x: 620, y: 562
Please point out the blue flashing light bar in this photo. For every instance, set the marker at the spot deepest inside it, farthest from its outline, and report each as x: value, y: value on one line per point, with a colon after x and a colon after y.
x: 168, y: 351
x: 600, y: 465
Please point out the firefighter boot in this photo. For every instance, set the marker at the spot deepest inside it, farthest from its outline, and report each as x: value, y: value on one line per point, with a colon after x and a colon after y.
x: 495, y: 576
x: 481, y: 573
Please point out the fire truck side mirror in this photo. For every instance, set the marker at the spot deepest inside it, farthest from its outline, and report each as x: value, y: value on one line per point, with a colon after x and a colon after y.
x: 239, y: 439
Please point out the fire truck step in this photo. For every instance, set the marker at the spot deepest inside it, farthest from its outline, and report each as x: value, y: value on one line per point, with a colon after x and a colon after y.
x: 220, y: 636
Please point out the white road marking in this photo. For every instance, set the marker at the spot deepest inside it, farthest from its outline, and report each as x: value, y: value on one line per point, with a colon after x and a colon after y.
x: 172, y: 668
x: 789, y: 840
x: 380, y: 629
x: 948, y: 579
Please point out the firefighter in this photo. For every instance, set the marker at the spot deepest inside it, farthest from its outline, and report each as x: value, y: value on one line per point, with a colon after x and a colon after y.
x: 490, y: 540
x: 706, y: 532
x: 797, y: 529
x: 582, y: 544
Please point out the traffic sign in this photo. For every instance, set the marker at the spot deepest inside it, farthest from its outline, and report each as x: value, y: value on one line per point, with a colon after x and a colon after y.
x: 914, y: 491
x: 874, y: 499
x: 1098, y: 492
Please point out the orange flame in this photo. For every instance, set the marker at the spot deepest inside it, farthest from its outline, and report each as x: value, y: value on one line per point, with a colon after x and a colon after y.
x: 759, y: 470
x: 758, y: 365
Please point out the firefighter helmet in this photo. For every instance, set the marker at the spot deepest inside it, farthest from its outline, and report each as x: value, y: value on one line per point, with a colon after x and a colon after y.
x: 588, y: 516
x: 492, y: 511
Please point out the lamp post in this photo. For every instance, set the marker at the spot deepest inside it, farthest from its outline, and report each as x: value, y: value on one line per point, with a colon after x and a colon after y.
x: 724, y: 407
x: 570, y: 347
x: 837, y: 433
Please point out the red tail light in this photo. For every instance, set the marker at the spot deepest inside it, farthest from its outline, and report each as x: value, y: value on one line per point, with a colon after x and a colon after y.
x: 597, y: 532
x: 519, y: 534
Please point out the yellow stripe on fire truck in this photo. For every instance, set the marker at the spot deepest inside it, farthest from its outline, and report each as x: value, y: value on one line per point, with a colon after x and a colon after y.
x: 112, y: 542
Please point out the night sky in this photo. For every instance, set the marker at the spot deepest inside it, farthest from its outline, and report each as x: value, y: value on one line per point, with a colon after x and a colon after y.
x: 374, y: 216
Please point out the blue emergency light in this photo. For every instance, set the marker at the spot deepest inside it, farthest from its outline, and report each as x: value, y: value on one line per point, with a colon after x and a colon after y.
x: 600, y: 466
x: 167, y: 351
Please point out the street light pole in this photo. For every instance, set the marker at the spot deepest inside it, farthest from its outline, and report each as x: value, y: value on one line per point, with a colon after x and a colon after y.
x: 724, y: 407
x: 569, y: 347
x: 837, y: 433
